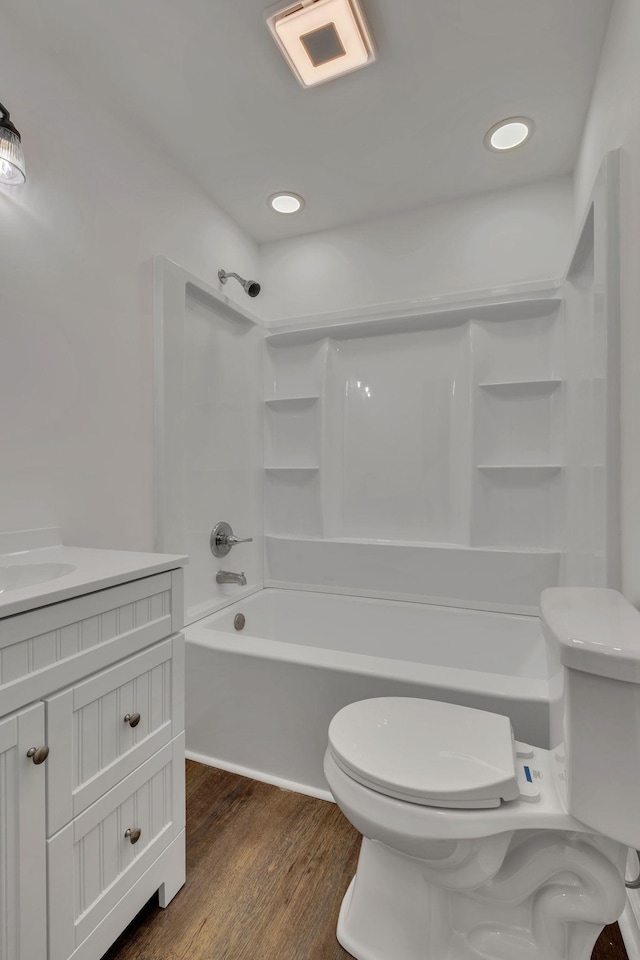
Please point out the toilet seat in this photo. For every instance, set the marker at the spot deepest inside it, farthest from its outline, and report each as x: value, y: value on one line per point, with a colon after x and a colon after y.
x: 427, y: 752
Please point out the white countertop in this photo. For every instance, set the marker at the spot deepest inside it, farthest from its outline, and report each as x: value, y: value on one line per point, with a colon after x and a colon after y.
x: 91, y: 569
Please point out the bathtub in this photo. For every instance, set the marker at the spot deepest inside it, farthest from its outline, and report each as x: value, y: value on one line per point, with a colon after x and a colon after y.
x: 259, y: 700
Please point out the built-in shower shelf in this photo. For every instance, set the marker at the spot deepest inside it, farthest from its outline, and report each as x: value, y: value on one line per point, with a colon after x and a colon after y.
x: 517, y: 387
x: 291, y: 468
x: 274, y: 402
x: 549, y: 468
x: 428, y: 315
x: 430, y: 545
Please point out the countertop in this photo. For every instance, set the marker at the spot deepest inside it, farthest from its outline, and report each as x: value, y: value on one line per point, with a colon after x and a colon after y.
x: 92, y: 570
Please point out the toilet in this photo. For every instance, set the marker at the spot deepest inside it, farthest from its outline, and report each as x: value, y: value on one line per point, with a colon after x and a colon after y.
x: 478, y: 846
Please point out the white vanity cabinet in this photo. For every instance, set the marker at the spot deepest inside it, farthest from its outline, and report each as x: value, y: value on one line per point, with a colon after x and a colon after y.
x: 23, y: 894
x: 90, y: 833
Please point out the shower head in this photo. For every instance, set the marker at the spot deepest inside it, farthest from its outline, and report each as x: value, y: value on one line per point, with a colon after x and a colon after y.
x: 252, y: 287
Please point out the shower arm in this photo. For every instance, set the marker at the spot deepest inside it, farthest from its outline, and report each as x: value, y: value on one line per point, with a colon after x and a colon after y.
x: 250, y: 287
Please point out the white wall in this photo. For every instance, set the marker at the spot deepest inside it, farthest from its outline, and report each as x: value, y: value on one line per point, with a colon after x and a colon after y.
x: 76, y: 358
x: 519, y: 235
x: 76, y: 431
x: 614, y: 121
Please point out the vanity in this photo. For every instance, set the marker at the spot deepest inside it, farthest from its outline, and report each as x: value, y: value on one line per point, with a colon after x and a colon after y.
x: 91, y: 743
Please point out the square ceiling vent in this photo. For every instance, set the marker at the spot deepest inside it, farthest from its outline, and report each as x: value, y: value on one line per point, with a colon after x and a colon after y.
x: 321, y: 39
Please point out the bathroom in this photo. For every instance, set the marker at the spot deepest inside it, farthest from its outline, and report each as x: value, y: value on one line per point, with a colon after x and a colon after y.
x: 424, y: 419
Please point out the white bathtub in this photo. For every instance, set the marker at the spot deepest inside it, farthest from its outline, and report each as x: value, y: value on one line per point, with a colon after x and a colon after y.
x: 259, y: 701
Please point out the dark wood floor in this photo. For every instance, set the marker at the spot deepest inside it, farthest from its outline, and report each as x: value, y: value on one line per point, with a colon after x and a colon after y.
x: 266, y: 872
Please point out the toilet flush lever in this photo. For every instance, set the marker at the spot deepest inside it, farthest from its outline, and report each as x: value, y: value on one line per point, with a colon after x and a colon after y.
x: 222, y: 539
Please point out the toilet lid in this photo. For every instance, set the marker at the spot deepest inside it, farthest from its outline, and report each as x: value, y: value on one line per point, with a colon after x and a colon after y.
x: 427, y: 752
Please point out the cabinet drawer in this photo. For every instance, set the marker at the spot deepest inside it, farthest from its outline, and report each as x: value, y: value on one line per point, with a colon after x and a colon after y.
x: 92, y: 746
x: 51, y: 647
x: 104, y: 863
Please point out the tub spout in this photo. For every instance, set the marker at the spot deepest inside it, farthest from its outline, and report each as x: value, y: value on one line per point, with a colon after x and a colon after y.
x: 225, y: 576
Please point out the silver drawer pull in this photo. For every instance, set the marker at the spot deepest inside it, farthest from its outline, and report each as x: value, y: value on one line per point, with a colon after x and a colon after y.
x: 38, y: 754
x: 133, y: 719
x: 133, y: 835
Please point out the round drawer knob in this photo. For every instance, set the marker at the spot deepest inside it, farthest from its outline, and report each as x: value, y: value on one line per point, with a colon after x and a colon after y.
x: 38, y: 754
x: 133, y: 835
x: 133, y: 719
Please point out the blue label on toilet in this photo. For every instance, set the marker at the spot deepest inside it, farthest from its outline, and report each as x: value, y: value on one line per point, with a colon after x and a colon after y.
x: 527, y: 773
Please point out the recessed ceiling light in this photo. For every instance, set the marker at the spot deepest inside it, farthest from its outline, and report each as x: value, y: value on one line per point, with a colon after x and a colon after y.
x: 509, y: 134
x: 321, y: 39
x: 286, y: 202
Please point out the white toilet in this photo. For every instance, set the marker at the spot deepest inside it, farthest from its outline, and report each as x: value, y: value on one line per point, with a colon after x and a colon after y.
x: 476, y: 846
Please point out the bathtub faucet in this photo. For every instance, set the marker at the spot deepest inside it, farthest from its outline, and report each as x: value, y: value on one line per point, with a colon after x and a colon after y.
x: 225, y: 576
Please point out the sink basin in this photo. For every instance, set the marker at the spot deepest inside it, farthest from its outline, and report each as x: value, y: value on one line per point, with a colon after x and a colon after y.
x: 17, y: 576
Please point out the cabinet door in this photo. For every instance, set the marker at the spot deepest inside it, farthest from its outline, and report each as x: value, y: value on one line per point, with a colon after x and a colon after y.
x: 23, y: 903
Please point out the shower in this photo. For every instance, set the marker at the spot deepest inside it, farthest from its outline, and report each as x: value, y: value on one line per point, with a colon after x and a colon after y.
x: 252, y: 287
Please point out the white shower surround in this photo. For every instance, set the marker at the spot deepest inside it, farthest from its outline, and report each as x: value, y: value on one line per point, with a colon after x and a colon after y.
x: 419, y: 457
x: 260, y: 701
x: 540, y: 363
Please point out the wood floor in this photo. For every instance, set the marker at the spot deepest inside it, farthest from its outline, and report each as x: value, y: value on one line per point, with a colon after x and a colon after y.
x: 266, y: 872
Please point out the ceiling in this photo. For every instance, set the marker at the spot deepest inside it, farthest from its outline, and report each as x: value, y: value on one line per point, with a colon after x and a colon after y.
x: 204, y: 80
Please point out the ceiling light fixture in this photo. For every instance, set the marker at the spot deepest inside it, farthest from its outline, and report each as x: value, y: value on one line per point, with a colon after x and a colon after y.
x: 12, y: 167
x: 286, y: 202
x: 321, y: 39
x: 509, y: 134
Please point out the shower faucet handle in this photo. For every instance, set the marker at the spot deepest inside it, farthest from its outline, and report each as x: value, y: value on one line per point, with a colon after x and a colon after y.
x: 223, y: 538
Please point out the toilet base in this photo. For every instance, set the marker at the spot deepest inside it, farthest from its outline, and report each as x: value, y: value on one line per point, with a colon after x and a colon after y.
x: 548, y: 900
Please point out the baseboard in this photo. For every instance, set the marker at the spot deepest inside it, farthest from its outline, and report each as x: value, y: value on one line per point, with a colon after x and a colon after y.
x: 252, y: 774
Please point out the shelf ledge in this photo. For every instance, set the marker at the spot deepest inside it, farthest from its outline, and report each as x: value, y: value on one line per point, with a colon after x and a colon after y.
x: 413, y: 318
x: 522, y: 386
x: 290, y: 469
x: 311, y: 398
x: 540, y: 468
x: 414, y: 544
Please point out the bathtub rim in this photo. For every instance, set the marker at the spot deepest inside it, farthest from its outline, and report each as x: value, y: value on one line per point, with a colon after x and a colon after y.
x: 400, y: 599
x: 501, y: 686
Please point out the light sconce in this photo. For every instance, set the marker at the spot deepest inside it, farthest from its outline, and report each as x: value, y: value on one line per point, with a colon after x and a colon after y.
x: 12, y: 167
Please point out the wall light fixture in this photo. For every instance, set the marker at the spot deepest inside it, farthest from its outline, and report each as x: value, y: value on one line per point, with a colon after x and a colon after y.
x: 12, y: 166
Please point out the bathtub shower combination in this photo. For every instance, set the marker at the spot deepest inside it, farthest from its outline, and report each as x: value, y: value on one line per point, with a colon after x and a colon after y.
x: 411, y: 478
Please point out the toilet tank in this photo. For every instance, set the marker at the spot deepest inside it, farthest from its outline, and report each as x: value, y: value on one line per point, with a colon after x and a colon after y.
x: 593, y: 643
